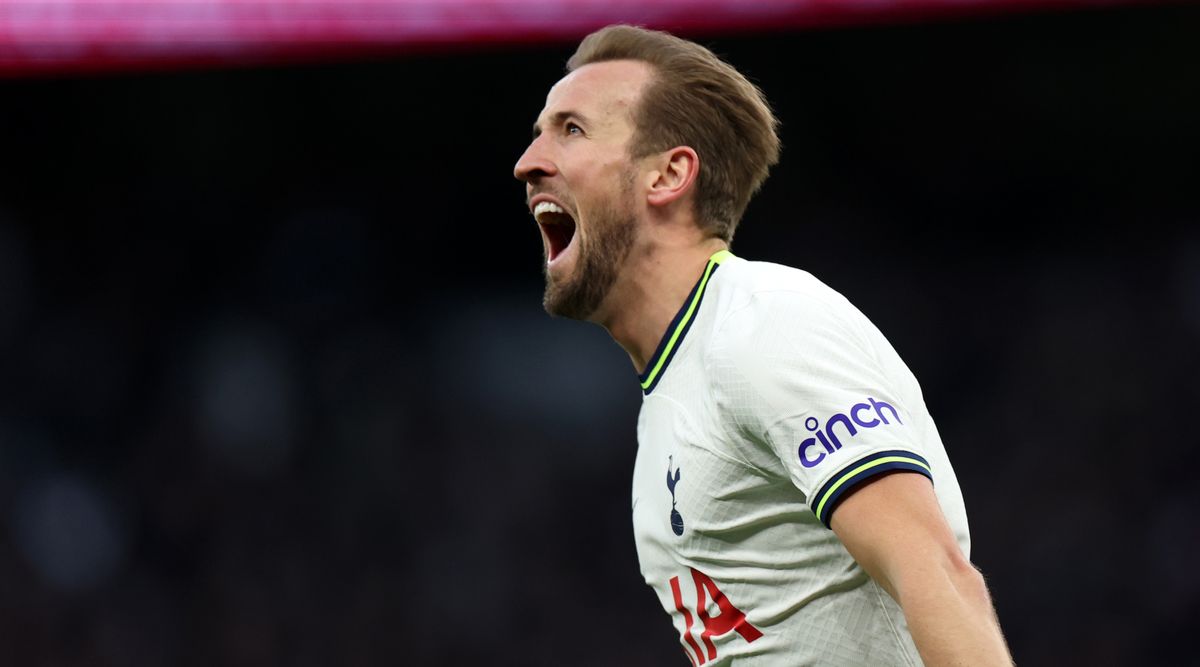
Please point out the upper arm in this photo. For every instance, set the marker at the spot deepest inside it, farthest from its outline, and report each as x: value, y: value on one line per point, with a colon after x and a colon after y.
x: 894, y: 528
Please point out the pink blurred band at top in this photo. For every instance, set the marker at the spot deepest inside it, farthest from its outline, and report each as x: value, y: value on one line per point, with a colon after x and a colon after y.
x: 63, y: 36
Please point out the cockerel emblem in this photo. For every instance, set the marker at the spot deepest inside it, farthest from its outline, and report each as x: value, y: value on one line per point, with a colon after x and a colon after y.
x: 672, y: 480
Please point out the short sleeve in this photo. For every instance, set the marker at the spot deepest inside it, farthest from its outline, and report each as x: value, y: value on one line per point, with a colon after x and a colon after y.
x: 802, y: 376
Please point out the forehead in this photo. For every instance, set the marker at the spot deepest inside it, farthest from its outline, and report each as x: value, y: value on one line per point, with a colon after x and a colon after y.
x: 605, y: 92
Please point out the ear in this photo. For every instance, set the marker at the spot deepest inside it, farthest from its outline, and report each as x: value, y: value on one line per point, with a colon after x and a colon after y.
x: 675, y: 172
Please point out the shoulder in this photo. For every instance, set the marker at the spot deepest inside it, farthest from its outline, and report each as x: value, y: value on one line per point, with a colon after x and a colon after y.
x: 751, y: 277
x: 764, y: 306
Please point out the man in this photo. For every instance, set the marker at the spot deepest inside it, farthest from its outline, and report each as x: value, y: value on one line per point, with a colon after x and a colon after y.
x: 773, y: 410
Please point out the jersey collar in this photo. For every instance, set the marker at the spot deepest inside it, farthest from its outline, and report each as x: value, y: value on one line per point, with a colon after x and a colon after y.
x: 679, y: 326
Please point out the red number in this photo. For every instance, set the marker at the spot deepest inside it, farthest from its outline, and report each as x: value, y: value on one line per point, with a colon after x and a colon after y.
x: 730, y: 619
x: 687, y: 620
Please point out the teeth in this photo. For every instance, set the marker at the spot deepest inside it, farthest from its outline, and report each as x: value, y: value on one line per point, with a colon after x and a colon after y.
x: 546, y: 207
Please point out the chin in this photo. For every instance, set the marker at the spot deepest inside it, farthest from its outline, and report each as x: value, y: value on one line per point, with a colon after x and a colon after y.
x: 562, y: 300
x: 572, y: 292
x: 580, y: 274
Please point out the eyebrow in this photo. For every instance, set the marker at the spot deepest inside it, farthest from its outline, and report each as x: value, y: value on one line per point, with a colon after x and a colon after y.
x: 557, y: 118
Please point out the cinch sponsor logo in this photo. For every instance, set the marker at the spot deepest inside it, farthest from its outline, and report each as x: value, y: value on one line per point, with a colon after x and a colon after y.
x: 829, y: 438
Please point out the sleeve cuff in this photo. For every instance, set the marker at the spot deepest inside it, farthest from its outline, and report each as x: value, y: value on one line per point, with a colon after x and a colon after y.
x: 844, y: 480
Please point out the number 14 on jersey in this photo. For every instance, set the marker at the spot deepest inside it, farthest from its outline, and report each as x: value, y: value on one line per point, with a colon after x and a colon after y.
x: 731, y: 619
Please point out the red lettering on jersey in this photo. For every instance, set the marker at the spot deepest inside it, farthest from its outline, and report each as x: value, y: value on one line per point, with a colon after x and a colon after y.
x: 687, y: 622
x: 730, y: 619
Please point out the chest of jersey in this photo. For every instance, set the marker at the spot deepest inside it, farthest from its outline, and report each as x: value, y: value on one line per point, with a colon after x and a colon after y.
x: 705, y: 526
x: 725, y: 533
x: 735, y: 556
x: 690, y: 499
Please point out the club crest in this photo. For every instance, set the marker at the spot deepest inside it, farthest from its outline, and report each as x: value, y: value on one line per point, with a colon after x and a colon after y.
x: 676, y: 517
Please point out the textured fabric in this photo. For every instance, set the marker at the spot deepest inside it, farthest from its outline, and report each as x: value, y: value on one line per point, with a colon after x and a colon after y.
x: 779, y: 399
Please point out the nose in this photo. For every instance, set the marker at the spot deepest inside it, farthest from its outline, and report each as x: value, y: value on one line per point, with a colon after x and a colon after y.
x: 534, y: 163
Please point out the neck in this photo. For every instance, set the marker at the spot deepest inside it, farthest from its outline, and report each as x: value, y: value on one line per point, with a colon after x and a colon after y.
x: 649, y: 292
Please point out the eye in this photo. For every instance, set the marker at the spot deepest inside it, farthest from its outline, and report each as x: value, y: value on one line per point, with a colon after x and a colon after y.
x: 572, y: 128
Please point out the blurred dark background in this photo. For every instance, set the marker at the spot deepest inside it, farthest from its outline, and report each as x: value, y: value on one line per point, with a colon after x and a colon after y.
x: 277, y: 387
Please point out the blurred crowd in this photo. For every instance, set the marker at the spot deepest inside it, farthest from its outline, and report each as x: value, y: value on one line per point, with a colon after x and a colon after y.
x: 277, y: 387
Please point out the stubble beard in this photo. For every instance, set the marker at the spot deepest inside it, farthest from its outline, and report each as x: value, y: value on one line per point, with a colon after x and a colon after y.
x: 600, y: 257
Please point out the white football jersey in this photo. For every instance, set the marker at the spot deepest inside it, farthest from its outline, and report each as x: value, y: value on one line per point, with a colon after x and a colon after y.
x: 769, y: 398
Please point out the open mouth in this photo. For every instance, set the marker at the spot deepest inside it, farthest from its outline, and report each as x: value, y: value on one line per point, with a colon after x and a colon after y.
x: 558, y: 227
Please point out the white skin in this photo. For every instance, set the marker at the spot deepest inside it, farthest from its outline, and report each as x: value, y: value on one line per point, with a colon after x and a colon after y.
x: 636, y: 252
x: 637, y: 249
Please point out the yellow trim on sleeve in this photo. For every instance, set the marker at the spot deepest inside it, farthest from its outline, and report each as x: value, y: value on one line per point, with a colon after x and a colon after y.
x: 867, y: 466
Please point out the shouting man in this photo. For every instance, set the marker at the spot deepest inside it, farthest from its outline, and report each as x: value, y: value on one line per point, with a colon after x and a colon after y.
x: 792, y: 500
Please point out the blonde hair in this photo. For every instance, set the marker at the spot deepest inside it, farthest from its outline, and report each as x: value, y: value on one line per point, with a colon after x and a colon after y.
x: 696, y: 100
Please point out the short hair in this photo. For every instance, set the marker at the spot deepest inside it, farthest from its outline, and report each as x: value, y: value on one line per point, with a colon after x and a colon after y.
x: 695, y: 99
